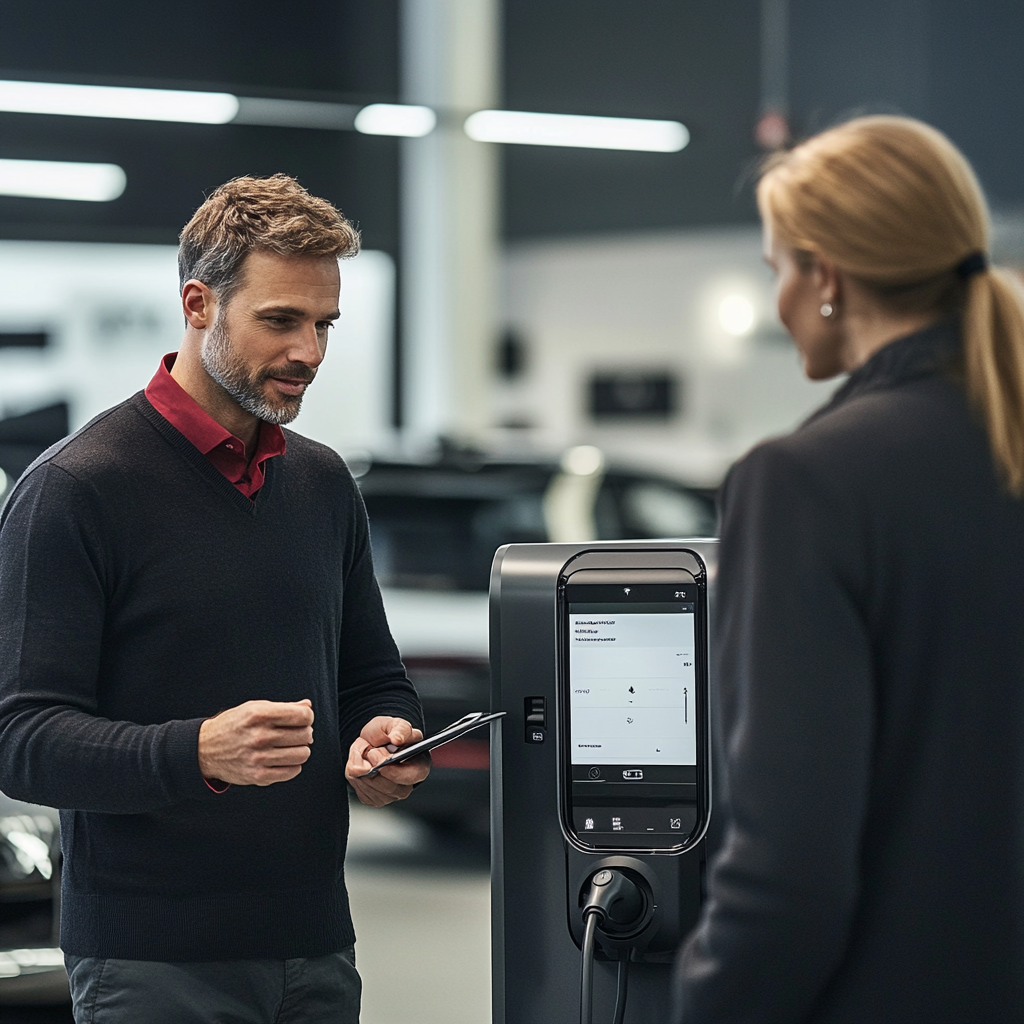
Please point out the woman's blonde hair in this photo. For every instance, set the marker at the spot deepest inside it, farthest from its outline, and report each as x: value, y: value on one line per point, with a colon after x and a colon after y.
x: 894, y: 203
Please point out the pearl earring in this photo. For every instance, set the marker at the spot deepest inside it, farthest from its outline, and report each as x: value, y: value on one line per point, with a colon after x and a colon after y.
x: 826, y: 309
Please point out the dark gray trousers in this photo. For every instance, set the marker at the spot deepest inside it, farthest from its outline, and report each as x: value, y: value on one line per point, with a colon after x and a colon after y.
x: 317, y: 990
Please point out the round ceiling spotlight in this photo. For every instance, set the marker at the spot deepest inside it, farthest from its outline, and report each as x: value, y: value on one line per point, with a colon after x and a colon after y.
x: 736, y: 315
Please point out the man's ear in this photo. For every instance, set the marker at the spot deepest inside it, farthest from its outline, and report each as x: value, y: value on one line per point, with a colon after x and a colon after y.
x: 199, y: 304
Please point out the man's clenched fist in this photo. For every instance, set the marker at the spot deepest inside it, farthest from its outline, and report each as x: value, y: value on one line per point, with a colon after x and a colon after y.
x: 257, y: 743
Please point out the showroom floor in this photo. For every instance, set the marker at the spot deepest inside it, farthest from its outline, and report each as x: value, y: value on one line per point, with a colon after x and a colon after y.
x: 422, y: 915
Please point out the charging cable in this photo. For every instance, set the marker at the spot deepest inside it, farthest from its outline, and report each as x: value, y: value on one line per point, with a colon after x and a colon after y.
x: 587, y: 972
x: 621, y: 990
x: 614, y: 903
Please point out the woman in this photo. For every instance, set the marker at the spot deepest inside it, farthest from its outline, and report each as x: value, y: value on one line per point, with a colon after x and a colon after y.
x: 870, y: 628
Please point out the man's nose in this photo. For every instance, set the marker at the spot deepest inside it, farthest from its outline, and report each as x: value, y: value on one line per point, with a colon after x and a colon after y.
x: 309, y: 347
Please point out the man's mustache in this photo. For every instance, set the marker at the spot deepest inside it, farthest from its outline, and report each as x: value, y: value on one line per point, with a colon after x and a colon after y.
x: 290, y: 371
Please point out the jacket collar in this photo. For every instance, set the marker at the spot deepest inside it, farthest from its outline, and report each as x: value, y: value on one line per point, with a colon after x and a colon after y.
x: 933, y: 350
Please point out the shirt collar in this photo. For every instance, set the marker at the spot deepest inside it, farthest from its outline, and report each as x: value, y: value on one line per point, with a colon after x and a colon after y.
x: 186, y: 415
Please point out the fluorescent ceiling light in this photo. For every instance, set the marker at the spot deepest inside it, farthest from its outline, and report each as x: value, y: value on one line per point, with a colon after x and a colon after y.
x: 395, y: 119
x: 50, y: 179
x: 112, y: 101
x: 514, y: 126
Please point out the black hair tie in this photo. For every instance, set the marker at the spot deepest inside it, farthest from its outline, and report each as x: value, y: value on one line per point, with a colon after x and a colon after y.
x: 973, y: 263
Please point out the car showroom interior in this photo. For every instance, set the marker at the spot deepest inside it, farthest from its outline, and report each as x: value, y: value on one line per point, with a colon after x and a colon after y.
x: 686, y: 330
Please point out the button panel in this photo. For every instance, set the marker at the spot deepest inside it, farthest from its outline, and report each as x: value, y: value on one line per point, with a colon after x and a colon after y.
x: 535, y: 712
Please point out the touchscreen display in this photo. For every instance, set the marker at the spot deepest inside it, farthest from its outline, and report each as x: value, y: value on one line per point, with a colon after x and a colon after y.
x: 632, y: 712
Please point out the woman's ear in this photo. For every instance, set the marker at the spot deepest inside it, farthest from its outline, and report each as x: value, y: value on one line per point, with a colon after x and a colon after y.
x: 828, y: 280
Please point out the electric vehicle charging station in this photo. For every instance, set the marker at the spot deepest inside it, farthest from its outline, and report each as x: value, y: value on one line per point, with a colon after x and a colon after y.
x: 600, y: 776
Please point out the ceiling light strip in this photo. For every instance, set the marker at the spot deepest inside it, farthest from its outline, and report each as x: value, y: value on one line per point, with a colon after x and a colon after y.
x: 525, y: 129
x: 396, y: 119
x: 53, y: 179
x: 118, y: 102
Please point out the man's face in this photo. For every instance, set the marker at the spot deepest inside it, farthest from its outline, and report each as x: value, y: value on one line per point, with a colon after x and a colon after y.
x: 269, y: 338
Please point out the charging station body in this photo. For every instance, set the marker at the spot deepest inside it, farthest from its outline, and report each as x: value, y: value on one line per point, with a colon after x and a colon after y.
x: 539, y: 870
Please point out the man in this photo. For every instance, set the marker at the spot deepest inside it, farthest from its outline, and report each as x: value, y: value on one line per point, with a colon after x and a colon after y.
x: 185, y: 588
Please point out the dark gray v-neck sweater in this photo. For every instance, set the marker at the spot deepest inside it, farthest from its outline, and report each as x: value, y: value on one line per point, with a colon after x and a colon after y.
x: 140, y: 593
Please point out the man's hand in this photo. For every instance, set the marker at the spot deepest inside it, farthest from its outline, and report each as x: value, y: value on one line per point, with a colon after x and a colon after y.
x: 257, y: 743
x: 394, y: 782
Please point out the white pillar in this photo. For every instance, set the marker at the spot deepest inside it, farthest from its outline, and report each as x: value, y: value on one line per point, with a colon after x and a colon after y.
x: 449, y: 200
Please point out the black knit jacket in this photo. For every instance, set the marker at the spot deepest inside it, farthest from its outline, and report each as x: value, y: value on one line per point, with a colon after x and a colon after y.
x: 870, y: 695
x: 140, y: 593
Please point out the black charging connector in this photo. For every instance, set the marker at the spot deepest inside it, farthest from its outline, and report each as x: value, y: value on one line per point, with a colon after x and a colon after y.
x: 619, y: 901
x: 618, y: 906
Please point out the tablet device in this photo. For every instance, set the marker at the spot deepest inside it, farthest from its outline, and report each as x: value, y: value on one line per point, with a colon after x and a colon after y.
x: 450, y: 732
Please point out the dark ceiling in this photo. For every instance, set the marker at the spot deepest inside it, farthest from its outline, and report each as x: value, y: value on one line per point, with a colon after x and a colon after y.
x: 954, y: 62
x: 692, y: 62
x: 344, y: 49
x: 335, y: 46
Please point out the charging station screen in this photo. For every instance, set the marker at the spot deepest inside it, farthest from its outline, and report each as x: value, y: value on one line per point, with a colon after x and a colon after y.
x: 632, y: 675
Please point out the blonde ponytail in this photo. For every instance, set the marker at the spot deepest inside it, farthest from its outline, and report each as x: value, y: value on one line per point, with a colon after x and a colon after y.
x: 894, y: 203
x: 993, y: 329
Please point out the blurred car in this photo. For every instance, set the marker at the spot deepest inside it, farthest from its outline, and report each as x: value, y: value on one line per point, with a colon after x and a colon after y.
x: 31, y: 963
x: 23, y: 438
x: 434, y: 528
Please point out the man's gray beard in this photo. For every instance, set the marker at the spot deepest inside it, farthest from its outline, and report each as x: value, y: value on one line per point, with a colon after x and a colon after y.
x: 221, y: 362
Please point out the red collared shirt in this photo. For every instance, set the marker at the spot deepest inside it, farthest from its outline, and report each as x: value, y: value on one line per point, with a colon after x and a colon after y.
x: 220, y: 446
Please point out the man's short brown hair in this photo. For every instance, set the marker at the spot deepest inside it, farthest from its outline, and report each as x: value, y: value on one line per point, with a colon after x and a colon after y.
x: 248, y: 214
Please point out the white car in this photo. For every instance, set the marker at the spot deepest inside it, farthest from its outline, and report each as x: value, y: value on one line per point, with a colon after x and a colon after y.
x: 31, y: 963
